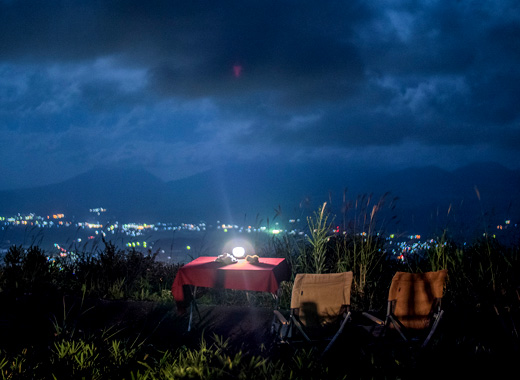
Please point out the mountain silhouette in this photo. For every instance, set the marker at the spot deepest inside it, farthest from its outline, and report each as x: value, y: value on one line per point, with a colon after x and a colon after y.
x: 428, y: 198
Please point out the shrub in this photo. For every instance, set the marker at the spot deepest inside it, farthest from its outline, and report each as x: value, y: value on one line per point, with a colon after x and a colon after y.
x: 27, y: 271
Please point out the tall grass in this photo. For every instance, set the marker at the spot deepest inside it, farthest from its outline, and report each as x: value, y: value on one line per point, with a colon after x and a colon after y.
x: 360, y: 248
x: 319, y: 234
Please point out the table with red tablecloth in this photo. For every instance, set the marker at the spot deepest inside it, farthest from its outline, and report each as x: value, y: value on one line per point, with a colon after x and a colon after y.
x: 263, y: 276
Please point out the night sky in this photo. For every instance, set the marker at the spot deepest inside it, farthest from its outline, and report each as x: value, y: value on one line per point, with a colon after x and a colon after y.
x: 179, y: 87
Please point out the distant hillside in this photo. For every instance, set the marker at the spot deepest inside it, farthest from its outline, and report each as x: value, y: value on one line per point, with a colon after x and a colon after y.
x: 427, y: 194
x: 243, y: 193
x: 122, y: 192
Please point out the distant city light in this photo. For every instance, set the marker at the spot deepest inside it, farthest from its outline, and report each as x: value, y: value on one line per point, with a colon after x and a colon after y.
x: 98, y: 210
x: 401, y: 247
x: 92, y: 225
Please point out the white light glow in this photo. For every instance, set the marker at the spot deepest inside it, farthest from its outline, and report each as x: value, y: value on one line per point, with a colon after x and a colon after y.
x: 238, y: 247
x: 239, y: 252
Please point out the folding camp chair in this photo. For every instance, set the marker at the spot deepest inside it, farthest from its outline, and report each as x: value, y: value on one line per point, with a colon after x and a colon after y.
x: 414, y: 306
x: 320, y: 308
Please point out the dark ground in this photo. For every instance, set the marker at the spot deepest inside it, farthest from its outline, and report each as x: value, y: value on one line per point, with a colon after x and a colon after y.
x: 30, y: 322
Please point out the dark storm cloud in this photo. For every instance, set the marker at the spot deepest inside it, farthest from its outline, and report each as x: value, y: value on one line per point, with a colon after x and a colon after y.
x: 172, y: 83
x: 190, y: 43
x: 281, y: 48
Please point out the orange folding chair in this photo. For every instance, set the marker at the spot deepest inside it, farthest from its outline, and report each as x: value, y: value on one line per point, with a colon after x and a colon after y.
x: 414, y: 306
x: 320, y: 308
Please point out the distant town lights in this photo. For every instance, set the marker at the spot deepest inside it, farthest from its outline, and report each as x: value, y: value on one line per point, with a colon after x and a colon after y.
x: 92, y: 225
x: 98, y: 210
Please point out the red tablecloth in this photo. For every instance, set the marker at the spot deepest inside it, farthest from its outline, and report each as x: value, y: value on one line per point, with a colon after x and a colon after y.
x: 264, y: 276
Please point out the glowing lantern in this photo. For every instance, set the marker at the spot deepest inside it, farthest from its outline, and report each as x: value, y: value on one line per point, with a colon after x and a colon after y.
x: 239, y: 252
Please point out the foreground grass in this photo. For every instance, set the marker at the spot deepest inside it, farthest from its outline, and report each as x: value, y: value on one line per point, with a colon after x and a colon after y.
x: 110, y: 359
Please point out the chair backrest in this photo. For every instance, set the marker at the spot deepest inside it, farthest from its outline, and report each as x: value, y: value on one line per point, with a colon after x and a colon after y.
x: 319, y: 297
x: 414, y: 295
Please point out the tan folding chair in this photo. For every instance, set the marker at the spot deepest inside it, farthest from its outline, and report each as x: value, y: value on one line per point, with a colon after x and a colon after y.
x: 320, y: 308
x: 414, y: 305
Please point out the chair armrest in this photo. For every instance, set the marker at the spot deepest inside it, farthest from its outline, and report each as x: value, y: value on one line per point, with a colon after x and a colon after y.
x: 280, y: 317
x: 373, y: 318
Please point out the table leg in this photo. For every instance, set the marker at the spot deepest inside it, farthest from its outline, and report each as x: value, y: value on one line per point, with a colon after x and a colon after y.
x: 193, y: 303
x: 277, y: 301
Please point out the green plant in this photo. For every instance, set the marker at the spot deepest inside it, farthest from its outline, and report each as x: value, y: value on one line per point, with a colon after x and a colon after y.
x: 309, y: 254
x: 116, y: 289
x: 213, y: 361
x: 440, y: 255
x: 75, y: 359
x: 17, y: 367
x: 320, y: 228
x: 27, y: 271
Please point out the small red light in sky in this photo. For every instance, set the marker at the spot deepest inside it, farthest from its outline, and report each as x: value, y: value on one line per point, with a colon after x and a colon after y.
x: 237, y: 71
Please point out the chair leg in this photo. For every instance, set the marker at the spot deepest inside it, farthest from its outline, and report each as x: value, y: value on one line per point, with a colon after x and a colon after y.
x: 432, y: 330
x: 299, y: 327
x: 338, y: 333
x: 398, y: 326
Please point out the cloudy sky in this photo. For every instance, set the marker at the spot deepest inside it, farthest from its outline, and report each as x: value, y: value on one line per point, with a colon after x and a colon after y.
x: 177, y: 87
